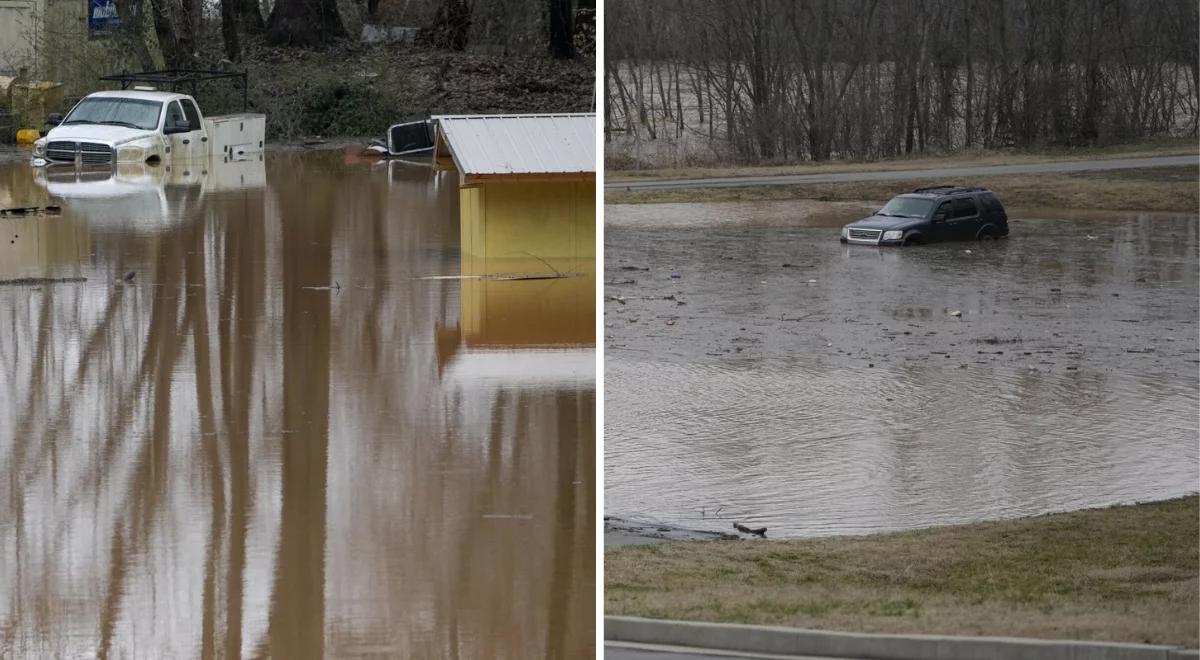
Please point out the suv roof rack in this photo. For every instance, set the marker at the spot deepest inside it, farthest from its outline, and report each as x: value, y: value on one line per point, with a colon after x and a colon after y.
x: 950, y: 189
x: 177, y: 77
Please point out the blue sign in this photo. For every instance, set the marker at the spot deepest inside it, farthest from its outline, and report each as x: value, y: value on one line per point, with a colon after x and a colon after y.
x: 103, y: 18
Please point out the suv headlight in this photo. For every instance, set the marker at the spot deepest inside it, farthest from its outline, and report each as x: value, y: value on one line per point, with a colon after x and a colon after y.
x: 893, y: 235
x: 39, y: 147
x: 845, y: 232
x: 131, y: 153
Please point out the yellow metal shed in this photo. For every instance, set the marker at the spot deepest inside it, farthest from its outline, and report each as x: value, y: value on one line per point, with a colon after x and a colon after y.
x: 527, y: 190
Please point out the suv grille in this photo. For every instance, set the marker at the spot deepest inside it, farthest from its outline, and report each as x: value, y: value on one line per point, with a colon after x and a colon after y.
x: 90, y: 153
x: 865, y: 234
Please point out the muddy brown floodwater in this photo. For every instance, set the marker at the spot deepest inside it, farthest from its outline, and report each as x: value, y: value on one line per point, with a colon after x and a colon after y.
x: 283, y: 437
x: 758, y: 371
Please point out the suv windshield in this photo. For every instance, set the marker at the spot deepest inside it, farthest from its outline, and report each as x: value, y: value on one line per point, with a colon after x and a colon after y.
x: 907, y: 207
x: 134, y: 113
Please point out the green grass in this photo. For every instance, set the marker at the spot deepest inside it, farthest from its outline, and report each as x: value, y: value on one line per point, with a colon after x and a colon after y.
x: 1123, y: 574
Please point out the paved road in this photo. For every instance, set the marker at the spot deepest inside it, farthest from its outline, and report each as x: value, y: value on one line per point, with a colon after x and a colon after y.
x: 947, y: 174
x: 622, y: 651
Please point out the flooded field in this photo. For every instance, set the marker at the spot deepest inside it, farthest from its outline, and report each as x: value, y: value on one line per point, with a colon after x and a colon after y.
x: 274, y: 421
x: 758, y: 371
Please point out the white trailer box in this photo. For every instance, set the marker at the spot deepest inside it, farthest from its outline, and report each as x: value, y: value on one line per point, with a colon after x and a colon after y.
x: 236, y: 136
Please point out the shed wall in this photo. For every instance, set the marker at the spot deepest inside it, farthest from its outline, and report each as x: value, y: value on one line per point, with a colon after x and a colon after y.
x: 506, y: 225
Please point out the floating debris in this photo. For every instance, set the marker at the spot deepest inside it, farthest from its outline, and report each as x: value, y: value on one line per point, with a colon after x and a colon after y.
x: 34, y: 281
x: 335, y: 287
x: 22, y: 211
x: 757, y: 531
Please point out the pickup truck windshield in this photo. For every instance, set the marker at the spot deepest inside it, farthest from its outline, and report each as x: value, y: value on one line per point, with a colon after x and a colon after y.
x: 134, y: 113
x: 907, y: 207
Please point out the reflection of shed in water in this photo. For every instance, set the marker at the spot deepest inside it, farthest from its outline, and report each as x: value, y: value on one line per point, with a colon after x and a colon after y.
x: 529, y: 321
x: 527, y: 190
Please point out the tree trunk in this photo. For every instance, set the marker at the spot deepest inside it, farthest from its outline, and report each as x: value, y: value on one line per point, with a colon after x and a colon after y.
x: 250, y: 17
x: 233, y: 50
x: 304, y: 23
x: 135, y: 33
x: 189, y: 27
x: 168, y: 38
x: 562, y: 42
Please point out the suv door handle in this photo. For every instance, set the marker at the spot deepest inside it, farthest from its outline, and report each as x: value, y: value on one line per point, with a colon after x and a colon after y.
x: 187, y: 141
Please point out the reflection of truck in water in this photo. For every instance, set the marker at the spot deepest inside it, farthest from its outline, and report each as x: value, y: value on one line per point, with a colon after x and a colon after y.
x: 145, y: 196
x: 147, y: 126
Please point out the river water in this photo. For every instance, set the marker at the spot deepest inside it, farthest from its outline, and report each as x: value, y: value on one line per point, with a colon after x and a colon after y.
x: 758, y: 371
x: 280, y: 437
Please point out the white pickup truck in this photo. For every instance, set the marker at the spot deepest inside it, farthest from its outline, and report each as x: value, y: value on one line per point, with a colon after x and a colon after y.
x: 142, y: 126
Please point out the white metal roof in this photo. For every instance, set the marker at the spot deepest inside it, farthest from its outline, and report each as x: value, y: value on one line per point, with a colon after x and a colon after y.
x: 520, y: 144
x: 139, y: 94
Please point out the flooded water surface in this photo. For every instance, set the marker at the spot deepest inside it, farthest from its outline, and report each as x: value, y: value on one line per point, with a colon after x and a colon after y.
x: 758, y: 371
x: 294, y: 431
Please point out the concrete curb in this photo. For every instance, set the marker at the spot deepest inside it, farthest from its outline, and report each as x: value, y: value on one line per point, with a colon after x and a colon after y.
x: 796, y: 641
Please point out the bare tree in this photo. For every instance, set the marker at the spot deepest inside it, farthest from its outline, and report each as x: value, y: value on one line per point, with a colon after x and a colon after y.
x: 777, y: 80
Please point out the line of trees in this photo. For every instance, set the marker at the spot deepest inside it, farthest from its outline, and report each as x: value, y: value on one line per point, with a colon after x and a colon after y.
x: 178, y: 27
x: 772, y: 80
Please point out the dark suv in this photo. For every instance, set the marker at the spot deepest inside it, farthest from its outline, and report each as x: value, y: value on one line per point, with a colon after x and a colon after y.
x: 927, y: 215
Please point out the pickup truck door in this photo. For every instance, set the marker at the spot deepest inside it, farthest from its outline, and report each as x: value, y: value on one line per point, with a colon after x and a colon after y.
x: 185, y: 143
x: 199, y: 139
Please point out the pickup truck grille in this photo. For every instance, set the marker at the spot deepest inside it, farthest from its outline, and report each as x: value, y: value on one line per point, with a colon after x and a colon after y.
x: 90, y: 153
x: 865, y: 234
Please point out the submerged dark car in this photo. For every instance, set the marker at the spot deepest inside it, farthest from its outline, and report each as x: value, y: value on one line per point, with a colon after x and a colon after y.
x: 928, y: 215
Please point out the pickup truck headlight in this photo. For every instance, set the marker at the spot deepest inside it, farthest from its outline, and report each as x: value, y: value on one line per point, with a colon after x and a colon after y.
x: 127, y: 154
x: 893, y: 235
x: 39, y: 147
x: 845, y: 232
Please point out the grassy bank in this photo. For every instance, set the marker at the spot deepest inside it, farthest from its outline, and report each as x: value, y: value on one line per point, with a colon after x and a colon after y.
x: 1163, y: 146
x: 1155, y: 189
x: 1123, y: 573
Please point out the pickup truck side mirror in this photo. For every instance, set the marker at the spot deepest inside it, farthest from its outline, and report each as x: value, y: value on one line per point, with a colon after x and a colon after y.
x: 181, y: 126
x: 54, y: 119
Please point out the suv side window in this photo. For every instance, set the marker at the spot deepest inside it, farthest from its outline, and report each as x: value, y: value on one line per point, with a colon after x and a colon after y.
x: 193, y: 115
x: 945, y: 210
x: 964, y: 207
x: 990, y: 204
x: 174, y: 115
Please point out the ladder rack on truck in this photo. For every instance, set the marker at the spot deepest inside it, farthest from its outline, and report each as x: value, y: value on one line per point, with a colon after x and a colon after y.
x: 176, y: 77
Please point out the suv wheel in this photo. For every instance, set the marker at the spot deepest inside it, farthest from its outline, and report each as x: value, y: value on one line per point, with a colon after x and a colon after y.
x: 986, y: 234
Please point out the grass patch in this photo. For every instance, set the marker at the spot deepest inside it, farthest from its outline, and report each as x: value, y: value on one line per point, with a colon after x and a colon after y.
x: 1154, y: 189
x: 1125, y: 573
x: 1161, y: 146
